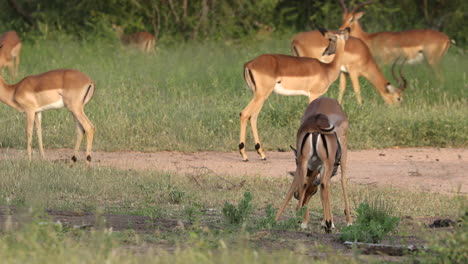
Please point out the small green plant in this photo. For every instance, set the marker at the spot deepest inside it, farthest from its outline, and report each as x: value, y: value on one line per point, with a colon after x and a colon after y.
x: 175, y: 195
x: 238, y: 215
x: 374, y: 221
x: 269, y: 222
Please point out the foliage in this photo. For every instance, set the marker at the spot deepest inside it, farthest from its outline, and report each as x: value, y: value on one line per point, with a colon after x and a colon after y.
x: 448, y: 247
x: 237, y: 215
x: 373, y: 222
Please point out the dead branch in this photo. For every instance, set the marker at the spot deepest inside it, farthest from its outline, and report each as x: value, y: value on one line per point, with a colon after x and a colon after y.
x: 171, y: 5
x: 392, y: 250
x: 27, y: 17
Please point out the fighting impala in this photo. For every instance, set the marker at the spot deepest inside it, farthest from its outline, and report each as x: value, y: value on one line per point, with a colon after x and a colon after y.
x: 142, y: 40
x: 288, y: 75
x: 357, y: 61
x: 52, y: 90
x: 321, y: 147
x: 413, y: 45
x: 10, y: 49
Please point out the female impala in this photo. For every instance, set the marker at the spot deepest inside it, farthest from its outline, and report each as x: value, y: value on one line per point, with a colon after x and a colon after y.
x: 52, y: 90
x: 411, y: 44
x: 288, y: 75
x: 142, y: 40
x: 10, y: 49
x: 357, y: 61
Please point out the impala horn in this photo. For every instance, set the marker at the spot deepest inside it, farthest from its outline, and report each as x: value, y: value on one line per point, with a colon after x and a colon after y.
x: 345, y: 9
x: 403, y: 83
x: 361, y: 5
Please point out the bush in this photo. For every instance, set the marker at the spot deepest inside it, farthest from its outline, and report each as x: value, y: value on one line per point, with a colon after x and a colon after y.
x: 237, y: 216
x: 269, y: 222
x: 374, y: 221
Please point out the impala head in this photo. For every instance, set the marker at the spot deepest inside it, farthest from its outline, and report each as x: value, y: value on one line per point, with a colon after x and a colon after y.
x: 396, y: 94
x: 334, y: 38
x: 351, y: 19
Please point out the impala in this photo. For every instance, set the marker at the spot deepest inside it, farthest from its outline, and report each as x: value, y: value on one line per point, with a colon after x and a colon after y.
x: 52, y: 90
x: 321, y: 145
x: 357, y: 61
x: 415, y: 45
x: 142, y: 40
x: 288, y: 75
x: 10, y: 49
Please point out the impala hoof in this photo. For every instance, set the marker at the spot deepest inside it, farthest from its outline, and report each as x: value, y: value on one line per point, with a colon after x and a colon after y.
x: 303, y: 225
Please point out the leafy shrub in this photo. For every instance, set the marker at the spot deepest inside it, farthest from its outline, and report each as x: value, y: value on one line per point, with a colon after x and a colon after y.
x: 175, y: 195
x: 269, y: 222
x: 238, y: 215
x: 449, y: 247
x: 374, y: 221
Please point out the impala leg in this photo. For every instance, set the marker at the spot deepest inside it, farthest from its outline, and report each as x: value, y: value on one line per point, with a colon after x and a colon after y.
x: 11, y: 69
x: 327, y: 222
x: 343, y: 76
x: 79, y: 138
x: 38, y: 121
x: 289, y: 195
x: 29, y: 132
x: 253, y: 123
x: 88, y: 128
x: 250, y: 111
x: 356, y: 86
x: 311, y: 190
x: 344, y: 179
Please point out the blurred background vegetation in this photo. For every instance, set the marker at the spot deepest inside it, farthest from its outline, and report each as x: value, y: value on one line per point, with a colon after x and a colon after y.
x: 176, y: 20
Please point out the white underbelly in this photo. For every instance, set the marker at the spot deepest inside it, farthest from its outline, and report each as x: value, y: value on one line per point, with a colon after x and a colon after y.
x: 344, y: 69
x: 283, y: 91
x: 416, y: 59
x: 56, y: 105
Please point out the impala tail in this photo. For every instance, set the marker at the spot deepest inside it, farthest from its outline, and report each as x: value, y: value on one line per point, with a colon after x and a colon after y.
x: 249, y: 79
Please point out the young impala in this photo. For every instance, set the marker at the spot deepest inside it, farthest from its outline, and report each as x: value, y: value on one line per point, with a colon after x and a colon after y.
x: 321, y: 145
x: 142, y: 40
x: 411, y: 44
x: 288, y: 75
x: 10, y: 49
x: 357, y: 61
x: 52, y: 90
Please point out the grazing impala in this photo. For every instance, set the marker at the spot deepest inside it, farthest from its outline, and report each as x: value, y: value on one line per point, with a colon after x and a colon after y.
x: 357, y: 61
x: 142, y: 40
x: 288, y: 75
x: 10, y: 49
x: 321, y: 145
x: 52, y: 90
x: 387, y: 46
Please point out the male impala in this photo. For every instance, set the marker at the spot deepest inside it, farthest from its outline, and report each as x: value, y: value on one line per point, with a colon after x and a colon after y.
x: 288, y: 75
x: 387, y: 46
x: 321, y: 145
x: 142, y: 40
x: 52, y: 90
x: 10, y: 49
x: 357, y: 61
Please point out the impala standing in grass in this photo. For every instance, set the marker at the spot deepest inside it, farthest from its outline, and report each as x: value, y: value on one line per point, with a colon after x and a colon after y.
x: 52, y: 90
x: 288, y: 75
x: 321, y: 147
x: 10, y: 49
x: 142, y: 40
x: 414, y: 45
x: 357, y: 61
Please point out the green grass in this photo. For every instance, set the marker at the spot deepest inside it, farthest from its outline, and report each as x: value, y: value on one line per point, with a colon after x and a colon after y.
x: 188, y: 97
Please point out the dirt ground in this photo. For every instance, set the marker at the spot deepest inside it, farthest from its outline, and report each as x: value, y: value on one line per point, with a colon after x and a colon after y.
x: 427, y: 169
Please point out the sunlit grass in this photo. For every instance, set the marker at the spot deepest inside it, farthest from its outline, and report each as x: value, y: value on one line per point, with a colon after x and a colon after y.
x: 188, y: 97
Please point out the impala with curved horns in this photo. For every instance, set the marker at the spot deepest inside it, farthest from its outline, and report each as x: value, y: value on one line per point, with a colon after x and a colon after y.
x: 288, y: 75
x: 357, y: 61
x: 52, y: 90
x: 415, y: 45
x: 10, y: 49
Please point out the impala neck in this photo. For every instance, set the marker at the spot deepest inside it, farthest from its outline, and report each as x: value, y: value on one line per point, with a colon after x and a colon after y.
x: 335, y: 65
x: 6, y: 94
x: 357, y: 32
x: 375, y: 76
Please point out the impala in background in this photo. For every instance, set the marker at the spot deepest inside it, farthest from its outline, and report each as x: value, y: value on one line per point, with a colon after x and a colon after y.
x: 142, y: 40
x: 10, y: 49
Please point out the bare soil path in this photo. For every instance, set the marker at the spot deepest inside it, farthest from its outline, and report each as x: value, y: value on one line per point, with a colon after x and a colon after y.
x: 426, y: 169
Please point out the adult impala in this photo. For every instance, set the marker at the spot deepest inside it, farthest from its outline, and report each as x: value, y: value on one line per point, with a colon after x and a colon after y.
x: 52, y: 90
x: 288, y: 75
x: 142, y: 40
x: 10, y: 49
x: 321, y: 145
x: 357, y: 61
x: 387, y: 46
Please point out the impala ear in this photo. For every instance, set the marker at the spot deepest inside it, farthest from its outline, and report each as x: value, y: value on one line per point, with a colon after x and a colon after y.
x: 294, y: 150
x: 390, y: 88
x: 323, y: 31
x: 358, y: 15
